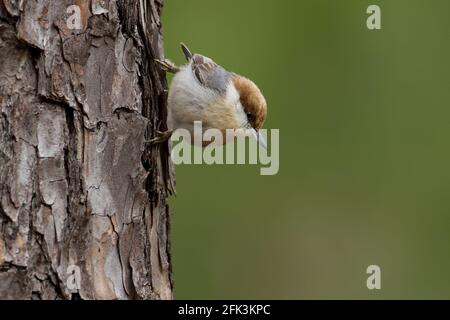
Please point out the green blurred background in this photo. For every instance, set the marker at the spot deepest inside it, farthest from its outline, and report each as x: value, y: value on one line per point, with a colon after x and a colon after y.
x: 364, y: 119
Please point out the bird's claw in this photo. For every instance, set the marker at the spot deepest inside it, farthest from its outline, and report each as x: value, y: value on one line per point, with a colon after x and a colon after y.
x: 160, y: 138
x: 167, y: 65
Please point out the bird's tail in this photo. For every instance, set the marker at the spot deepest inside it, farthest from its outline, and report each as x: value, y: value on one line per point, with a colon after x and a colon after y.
x: 186, y: 51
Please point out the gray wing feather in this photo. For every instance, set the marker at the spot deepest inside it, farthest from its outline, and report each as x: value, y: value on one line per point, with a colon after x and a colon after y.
x: 209, y: 73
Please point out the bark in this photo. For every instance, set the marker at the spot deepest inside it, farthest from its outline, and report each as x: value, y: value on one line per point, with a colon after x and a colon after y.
x: 83, y: 199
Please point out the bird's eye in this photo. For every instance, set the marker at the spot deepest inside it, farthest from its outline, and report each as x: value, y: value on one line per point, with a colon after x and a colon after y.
x: 250, y: 116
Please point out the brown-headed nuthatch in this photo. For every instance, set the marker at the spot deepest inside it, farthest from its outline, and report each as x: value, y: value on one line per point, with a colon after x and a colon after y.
x: 201, y: 90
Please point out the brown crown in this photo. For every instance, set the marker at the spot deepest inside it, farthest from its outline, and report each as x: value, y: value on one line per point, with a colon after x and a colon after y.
x: 252, y: 100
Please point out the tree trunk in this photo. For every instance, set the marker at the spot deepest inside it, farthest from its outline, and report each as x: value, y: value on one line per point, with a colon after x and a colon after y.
x: 83, y: 199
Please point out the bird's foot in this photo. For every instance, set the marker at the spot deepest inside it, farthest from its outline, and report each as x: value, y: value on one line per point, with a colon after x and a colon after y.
x: 168, y: 65
x: 160, y: 137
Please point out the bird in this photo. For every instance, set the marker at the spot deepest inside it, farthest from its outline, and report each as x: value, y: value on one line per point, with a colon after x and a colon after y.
x: 202, y: 90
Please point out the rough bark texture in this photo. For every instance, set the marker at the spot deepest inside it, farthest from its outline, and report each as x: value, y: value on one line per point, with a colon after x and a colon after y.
x: 83, y: 200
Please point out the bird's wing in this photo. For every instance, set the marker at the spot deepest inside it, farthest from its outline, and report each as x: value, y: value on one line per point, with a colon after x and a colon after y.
x: 209, y: 73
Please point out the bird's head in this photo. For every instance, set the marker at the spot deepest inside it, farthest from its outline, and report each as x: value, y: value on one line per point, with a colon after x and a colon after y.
x: 253, y: 104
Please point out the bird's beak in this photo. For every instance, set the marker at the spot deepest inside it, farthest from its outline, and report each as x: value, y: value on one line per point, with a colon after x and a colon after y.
x: 259, y: 137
